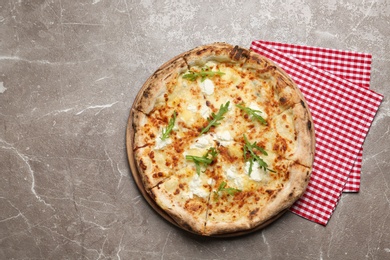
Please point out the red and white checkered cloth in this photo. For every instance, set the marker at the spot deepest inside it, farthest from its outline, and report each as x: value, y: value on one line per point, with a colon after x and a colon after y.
x: 336, y: 87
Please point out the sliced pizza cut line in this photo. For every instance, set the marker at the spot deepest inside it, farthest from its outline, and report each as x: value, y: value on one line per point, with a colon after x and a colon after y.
x: 185, y: 198
x: 149, y: 130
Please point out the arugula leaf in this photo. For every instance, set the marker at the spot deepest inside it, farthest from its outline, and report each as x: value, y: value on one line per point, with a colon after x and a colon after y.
x: 204, y: 73
x: 253, y: 113
x: 214, y: 118
x: 167, y: 131
x: 249, y: 148
x: 203, y: 160
x: 230, y: 191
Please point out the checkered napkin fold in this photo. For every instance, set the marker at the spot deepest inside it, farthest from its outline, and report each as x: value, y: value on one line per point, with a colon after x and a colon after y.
x: 336, y: 87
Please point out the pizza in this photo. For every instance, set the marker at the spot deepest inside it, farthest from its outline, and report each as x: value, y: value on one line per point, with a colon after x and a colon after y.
x: 222, y: 140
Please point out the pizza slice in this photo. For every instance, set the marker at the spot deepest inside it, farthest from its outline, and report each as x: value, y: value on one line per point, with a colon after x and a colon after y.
x: 184, y: 196
x: 160, y: 146
x: 232, y: 209
x: 290, y: 135
x: 252, y: 188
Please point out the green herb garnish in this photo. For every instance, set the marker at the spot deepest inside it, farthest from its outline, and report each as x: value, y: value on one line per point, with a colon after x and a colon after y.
x: 204, y: 73
x: 205, y: 160
x: 250, y: 149
x: 222, y: 188
x: 167, y: 131
x: 214, y: 118
x: 252, y: 112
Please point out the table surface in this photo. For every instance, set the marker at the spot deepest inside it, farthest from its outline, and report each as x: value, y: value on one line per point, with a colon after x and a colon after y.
x: 69, y: 72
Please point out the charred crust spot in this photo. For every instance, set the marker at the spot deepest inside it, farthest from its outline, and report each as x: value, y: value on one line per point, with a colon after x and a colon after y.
x: 199, y: 52
x: 270, y: 192
x: 146, y: 93
x: 309, y: 124
x: 283, y: 100
x: 177, y: 191
x: 238, y: 53
x: 240, y: 86
x: 303, y: 104
x: 253, y: 213
x: 257, y: 60
x: 290, y: 195
x: 307, y: 176
x: 266, y: 70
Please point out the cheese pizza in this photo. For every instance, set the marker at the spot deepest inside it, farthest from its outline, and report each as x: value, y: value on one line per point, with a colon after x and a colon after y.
x: 222, y: 139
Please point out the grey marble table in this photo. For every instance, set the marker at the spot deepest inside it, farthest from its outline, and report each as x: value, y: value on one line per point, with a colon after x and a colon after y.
x: 69, y: 72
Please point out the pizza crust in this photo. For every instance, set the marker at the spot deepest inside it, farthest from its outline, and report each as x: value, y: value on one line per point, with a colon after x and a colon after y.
x: 155, y: 86
x: 220, y: 52
x: 304, y: 153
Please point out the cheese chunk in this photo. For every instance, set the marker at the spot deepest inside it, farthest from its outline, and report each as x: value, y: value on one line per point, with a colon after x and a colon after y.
x: 196, y: 187
x: 207, y: 87
x: 223, y: 138
x: 160, y: 144
x: 257, y: 173
x: 232, y: 175
x: 203, y: 142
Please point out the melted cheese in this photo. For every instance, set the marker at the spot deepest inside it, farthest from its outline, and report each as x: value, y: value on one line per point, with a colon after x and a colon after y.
x: 192, y: 108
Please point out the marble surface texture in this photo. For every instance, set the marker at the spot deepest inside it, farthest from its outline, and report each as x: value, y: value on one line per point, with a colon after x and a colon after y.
x: 69, y: 72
